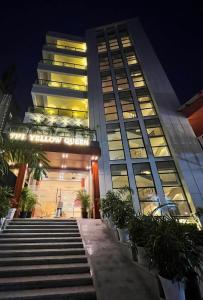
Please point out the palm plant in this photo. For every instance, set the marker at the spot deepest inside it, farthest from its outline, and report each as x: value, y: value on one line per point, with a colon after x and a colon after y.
x: 39, y: 173
x: 84, y: 198
x: 27, y: 201
x: 19, y: 153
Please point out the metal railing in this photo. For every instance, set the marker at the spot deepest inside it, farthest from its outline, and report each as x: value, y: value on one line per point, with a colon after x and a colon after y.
x: 66, y: 47
x: 63, y: 64
x: 59, y: 111
x: 59, y: 84
x: 69, y: 131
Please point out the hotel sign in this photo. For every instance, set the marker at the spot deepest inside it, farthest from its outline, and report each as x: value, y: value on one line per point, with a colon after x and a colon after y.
x: 49, y: 139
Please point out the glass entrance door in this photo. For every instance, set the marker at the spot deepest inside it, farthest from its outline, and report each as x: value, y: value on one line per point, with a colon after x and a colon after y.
x: 57, y: 195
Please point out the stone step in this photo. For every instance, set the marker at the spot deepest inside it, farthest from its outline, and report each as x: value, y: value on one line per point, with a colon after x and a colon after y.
x: 41, y: 226
x: 37, y: 239
x: 31, y: 270
x: 41, y: 252
x: 65, y: 293
x: 40, y: 245
x: 13, y: 223
x: 38, y: 260
x: 39, y: 234
x: 42, y: 220
x: 48, y: 281
x: 43, y: 230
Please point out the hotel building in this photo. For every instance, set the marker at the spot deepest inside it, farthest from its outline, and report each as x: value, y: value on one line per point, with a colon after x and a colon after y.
x: 107, y: 116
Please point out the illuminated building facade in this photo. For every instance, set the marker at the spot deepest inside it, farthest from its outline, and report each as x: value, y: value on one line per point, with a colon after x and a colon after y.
x: 109, y: 92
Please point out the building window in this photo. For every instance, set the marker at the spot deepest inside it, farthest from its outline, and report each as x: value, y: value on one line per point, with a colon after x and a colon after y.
x: 107, y: 85
x: 127, y: 105
x: 117, y: 60
x: 110, y: 108
x: 103, y: 63
x: 113, y: 44
x: 125, y: 40
x: 119, y: 176
x: 101, y: 47
x: 121, y: 80
x: 157, y: 138
x: 135, y: 140
x: 172, y: 187
x: 115, y: 142
x: 145, y: 187
x: 138, y: 79
x: 146, y: 104
x: 131, y: 59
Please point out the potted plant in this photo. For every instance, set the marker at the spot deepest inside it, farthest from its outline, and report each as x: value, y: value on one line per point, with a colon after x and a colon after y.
x: 123, y: 212
x: 5, y: 195
x: 32, y: 201
x: 27, y: 202
x: 84, y: 198
x: 140, y: 229
x: 108, y: 205
x: 175, y: 254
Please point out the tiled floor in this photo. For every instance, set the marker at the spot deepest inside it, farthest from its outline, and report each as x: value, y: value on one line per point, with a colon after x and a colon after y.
x: 116, y: 276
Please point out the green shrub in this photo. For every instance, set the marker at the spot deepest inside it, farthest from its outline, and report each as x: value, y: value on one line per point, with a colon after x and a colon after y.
x: 5, y: 196
x: 173, y: 249
x: 28, y: 200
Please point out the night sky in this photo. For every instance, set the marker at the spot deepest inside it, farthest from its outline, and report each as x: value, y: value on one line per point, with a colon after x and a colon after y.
x: 175, y: 30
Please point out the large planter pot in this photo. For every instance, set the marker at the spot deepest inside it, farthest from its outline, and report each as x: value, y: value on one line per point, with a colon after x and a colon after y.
x: 142, y: 257
x: 172, y: 290
x: 11, y: 213
x: 29, y: 214
x: 110, y: 223
x: 23, y: 214
x: 123, y: 235
x: 84, y: 214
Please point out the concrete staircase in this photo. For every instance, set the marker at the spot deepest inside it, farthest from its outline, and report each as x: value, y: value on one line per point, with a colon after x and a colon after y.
x: 44, y: 259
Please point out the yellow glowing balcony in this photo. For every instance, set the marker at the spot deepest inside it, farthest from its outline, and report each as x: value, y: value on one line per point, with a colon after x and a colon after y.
x: 66, y: 61
x: 69, y: 45
x: 58, y: 116
x: 66, y: 85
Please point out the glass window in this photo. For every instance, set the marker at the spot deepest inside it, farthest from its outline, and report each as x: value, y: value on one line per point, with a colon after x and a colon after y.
x: 119, y: 176
x: 103, y: 63
x: 172, y: 187
x: 135, y: 141
x: 127, y: 105
x: 110, y: 109
x: 157, y: 139
x: 117, y: 60
x: 115, y: 144
x: 101, y: 47
x: 125, y: 40
x: 113, y: 44
x: 138, y: 79
x: 107, y: 85
x: 147, y: 109
x: 145, y: 187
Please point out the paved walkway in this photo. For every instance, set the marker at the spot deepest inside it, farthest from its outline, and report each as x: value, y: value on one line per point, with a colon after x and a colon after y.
x: 116, y: 277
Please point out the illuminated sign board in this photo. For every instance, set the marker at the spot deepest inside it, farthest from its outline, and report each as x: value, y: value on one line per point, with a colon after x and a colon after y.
x: 49, y: 139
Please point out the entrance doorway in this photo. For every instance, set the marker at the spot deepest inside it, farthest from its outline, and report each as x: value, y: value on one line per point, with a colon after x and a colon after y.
x: 57, y: 194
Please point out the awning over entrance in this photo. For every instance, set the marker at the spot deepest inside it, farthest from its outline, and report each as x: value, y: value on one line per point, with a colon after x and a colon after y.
x: 69, y: 161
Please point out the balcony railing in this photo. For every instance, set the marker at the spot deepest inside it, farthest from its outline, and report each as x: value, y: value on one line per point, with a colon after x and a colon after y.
x: 59, y: 112
x: 66, y: 47
x: 63, y: 64
x: 58, y: 84
x: 42, y: 130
